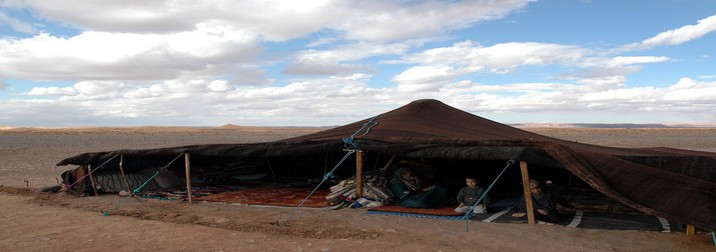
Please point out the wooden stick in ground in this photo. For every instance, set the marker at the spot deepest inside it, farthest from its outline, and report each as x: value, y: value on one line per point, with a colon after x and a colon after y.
x: 124, y: 175
x: 528, y: 194
x: 89, y: 173
x: 187, y: 167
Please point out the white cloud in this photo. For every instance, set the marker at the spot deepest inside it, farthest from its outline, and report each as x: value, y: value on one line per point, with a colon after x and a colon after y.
x: 499, y: 58
x: 631, y: 60
x: 219, y: 86
x: 52, y: 91
x: 677, y: 36
x: 277, y: 20
x: 340, y: 60
x: 425, y: 78
x: 202, y: 102
x: 388, y: 21
x: 688, y: 89
x: 135, y: 40
x: 440, y: 65
x: 335, y: 101
x: 106, y: 56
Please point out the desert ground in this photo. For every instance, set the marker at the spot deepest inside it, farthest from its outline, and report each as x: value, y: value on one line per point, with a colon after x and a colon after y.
x: 32, y: 221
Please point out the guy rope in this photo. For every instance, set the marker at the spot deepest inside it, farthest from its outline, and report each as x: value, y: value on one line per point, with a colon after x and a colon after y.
x: 66, y: 187
x: 138, y: 189
x: 350, y: 148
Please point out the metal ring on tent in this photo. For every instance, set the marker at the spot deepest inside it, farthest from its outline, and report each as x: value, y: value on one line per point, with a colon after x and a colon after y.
x: 349, y: 140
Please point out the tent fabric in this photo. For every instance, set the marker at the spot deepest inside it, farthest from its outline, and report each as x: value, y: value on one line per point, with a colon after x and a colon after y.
x: 673, y: 183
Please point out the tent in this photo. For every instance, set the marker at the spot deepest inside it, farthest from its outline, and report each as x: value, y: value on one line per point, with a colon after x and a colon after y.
x: 676, y: 184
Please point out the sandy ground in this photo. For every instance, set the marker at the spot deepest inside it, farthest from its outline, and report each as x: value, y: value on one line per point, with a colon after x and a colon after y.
x: 33, y: 221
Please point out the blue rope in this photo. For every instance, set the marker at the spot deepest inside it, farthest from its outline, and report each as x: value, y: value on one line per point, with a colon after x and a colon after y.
x: 351, y: 147
x: 129, y: 196
x: 469, y: 212
x: 138, y: 189
x: 326, y: 177
x: 349, y: 141
x: 713, y: 236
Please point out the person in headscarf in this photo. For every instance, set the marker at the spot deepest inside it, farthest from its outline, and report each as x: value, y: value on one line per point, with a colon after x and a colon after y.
x: 409, y: 191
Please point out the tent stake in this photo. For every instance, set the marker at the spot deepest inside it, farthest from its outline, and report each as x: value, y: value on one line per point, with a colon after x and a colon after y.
x: 187, y: 167
x: 89, y: 171
x: 528, y: 194
x: 359, y: 173
x: 124, y: 175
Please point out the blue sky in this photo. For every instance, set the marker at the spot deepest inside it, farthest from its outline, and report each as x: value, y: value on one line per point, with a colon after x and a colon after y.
x: 325, y: 63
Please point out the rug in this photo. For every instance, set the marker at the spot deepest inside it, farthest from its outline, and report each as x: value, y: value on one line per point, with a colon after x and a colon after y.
x: 179, y: 193
x: 272, y: 196
x: 443, y: 211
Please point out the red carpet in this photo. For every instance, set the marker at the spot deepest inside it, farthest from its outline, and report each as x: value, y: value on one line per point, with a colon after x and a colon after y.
x: 444, y: 211
x: 271, y: 196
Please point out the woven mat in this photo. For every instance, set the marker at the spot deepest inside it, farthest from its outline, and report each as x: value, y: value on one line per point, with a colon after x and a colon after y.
x: 501, y: 212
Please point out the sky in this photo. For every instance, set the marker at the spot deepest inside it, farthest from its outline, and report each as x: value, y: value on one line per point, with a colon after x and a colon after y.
x: 325, y: 63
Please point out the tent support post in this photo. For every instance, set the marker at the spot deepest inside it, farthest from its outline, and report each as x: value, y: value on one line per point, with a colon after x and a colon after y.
x: 527, y: 193
x: 690, y: 229
x: 377, y: 159
x: 268, y: 163
x: 359, y: 173
x: 124, y: 175
x: 187, y: 167
x: 89, y: 172
x: 325, y: 164
x: 387, y: 165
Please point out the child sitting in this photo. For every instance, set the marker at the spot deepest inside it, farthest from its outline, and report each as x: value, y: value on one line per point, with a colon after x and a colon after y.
x: 469, y: 195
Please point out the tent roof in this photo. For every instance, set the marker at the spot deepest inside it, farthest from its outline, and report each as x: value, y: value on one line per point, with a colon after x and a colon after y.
x: 672, y: 183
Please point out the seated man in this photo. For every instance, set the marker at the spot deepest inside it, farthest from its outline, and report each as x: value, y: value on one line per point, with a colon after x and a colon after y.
x: 410, y: 192
x: 544, y: 203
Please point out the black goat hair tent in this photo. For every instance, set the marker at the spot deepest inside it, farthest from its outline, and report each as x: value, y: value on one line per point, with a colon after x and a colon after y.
x: 672, y: 183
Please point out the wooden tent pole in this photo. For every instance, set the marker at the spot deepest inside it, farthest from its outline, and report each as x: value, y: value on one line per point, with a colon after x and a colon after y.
x: 187, y: 167
x: 325, y: 164
x: 359, y: 174
x: 690, y: 229
x: 527, y: 193
x: 268, y: 163
x: 124, y: 175
x: 89, y: 172
x: 387, y: 165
